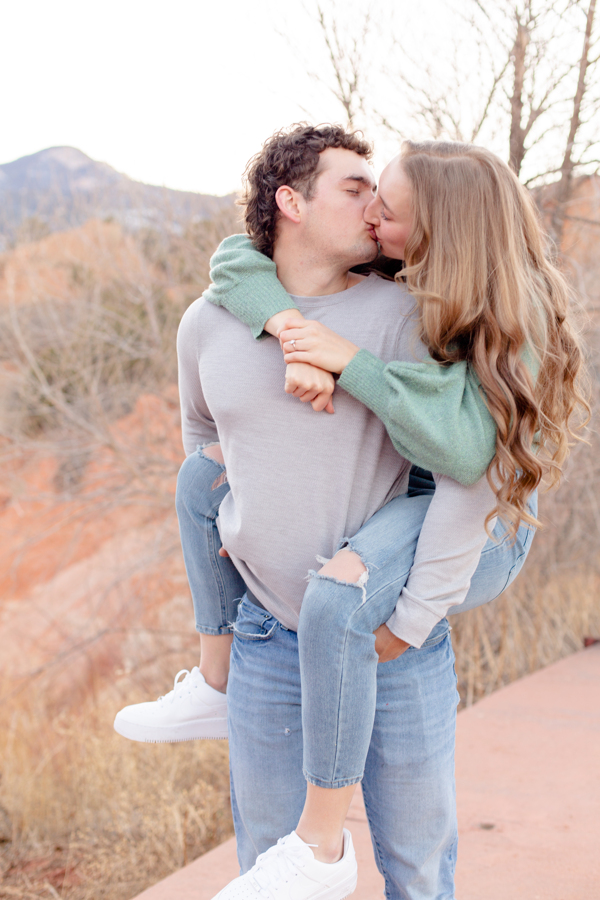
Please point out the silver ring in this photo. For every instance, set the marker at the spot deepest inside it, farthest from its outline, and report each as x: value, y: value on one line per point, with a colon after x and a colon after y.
x: 293, y: 343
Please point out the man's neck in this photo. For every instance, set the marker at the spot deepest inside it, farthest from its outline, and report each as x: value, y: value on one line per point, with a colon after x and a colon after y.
x: 302, y: 276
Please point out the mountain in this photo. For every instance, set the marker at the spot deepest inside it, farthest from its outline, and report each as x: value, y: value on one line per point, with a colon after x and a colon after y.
x: 62, y: 188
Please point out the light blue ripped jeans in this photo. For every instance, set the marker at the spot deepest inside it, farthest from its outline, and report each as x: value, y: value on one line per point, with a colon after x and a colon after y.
x: 317, y: 705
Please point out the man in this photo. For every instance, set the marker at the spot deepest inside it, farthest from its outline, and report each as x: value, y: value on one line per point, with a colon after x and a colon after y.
x: 299, y: 482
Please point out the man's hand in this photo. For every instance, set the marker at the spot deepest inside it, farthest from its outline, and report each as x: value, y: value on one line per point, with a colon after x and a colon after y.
x: 310, y: 385
x: 387, y: 645
x: 308, y: 341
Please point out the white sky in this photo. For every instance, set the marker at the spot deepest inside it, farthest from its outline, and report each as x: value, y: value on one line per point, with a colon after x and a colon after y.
x: 179, y: 93
x: 184, y: 92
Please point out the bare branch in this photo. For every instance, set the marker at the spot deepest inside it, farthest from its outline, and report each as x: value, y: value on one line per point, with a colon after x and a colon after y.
x: 565, y: 185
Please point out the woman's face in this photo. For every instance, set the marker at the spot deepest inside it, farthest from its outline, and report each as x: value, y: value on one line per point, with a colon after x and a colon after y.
x: 390, y: 213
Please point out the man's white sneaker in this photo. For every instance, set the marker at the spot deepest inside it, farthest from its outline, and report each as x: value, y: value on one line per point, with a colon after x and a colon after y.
x: 192, y: 710
x: 289, y: 871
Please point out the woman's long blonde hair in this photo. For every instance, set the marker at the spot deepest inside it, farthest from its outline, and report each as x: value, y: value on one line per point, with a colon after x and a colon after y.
x: 476, y: 264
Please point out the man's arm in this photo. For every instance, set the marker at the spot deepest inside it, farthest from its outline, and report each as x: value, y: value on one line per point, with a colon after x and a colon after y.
x: 448, y: 552
x: 197, y: 425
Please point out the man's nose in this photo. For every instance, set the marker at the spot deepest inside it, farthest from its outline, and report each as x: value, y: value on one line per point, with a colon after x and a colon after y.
x: 370, y: 213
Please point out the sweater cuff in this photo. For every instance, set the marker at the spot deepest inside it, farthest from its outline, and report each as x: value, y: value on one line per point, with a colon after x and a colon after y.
x: 363, y: 377
x: 412, y: 621
x: 241, y: 301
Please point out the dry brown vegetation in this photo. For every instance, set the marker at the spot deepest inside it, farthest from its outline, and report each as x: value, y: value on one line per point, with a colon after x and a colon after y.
x: 88, y: 815
x: 95, y: 610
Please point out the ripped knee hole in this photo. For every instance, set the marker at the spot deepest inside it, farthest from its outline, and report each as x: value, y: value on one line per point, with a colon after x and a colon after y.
x: 347, y: 566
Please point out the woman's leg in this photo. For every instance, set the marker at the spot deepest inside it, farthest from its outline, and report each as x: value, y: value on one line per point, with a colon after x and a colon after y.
x: 345, y: 602
x: 215, y: 584
x: 197, y: 706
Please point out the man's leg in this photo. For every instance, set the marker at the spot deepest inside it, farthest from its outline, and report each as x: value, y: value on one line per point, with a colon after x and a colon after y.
x: 408, y: 785
x: 265, y: 732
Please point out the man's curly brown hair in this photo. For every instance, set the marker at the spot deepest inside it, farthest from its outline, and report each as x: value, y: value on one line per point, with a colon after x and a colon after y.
x: 289, y: 157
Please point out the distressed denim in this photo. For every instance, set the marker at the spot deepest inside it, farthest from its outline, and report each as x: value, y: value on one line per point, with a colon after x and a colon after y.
x: 338, y: 663
x: 215, y: 584
x: 390, y: 725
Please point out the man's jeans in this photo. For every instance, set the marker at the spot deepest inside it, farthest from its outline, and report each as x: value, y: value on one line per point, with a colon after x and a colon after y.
x: 390, y: 725
x: 408, y: 783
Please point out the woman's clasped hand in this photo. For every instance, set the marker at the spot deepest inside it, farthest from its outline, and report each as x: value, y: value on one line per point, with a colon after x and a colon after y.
x: 308, y: 341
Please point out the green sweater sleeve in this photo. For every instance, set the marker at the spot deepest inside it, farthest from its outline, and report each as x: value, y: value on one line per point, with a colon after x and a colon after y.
x: 436, y: 416
x: 244, y: 281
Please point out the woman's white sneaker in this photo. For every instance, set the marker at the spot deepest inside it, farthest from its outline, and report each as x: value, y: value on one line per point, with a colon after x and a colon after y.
x: 289, y: 871
x: 191, y: 711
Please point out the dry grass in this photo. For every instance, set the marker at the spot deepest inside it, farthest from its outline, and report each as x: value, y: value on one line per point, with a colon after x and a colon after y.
x: 535, y: 623
x: 86, y: 814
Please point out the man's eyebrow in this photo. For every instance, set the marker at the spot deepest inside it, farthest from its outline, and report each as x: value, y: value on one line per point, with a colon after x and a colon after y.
x: 362, y: 179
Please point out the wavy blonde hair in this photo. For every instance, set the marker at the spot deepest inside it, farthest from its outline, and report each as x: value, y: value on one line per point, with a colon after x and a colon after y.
x: 488, y: 294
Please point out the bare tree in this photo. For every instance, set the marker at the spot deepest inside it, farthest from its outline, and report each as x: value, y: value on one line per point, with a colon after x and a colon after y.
x: 346, y: 55
x: 565, y: 186
x: 514, y: 77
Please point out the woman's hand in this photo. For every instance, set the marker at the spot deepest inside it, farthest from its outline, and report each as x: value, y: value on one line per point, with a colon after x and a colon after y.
x: 310, y: 385
x: 307, y: 341
x: 387, y: 645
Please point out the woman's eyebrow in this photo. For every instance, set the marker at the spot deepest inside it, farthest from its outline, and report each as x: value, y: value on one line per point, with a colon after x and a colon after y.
x: 383, y: 201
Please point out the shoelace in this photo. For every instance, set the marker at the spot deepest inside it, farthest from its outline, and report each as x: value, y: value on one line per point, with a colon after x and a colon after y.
x: 178, y: 687
x: 275, y: 867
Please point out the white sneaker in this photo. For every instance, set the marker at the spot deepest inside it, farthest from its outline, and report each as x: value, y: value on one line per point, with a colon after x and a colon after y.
x: 192, y: 710
x: 289, y: 871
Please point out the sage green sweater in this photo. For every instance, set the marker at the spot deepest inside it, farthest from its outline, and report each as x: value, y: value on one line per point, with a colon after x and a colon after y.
x: 436, y: 416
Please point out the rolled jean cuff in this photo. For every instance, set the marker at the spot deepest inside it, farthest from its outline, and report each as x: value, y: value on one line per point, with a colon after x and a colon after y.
x: 209, y: 629
x: 332, y: 785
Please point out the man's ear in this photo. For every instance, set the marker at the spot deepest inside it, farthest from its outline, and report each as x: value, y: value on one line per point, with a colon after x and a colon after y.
x: 290, y: 203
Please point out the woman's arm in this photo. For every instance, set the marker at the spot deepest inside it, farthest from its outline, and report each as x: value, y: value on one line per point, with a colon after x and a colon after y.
x: 436, y: 415
x: 244, y: 281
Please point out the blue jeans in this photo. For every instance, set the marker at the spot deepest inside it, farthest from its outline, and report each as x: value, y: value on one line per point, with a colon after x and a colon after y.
x: 340, y: 704
x: 408, y: 782
x: 215, y: 584
x: 338, y: 663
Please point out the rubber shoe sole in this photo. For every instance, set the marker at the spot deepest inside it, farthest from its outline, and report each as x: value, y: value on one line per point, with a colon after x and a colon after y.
x: 201, y: 730
x: 337, y: 892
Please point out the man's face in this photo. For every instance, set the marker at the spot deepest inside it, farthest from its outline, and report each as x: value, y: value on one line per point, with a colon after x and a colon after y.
x: 334, y: 224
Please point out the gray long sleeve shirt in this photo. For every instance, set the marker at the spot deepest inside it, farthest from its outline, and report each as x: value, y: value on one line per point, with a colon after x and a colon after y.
x: 300, y: 480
